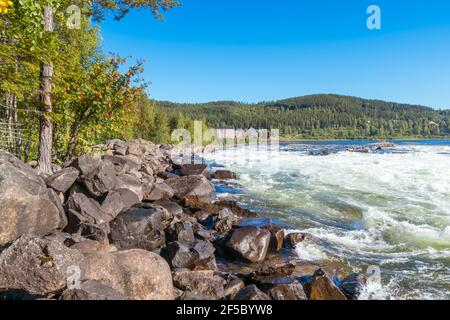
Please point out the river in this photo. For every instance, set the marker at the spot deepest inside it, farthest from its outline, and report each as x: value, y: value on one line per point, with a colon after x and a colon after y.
x: 389, y: 208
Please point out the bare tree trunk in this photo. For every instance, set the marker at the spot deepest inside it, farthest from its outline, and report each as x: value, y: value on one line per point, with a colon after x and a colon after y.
x: 46, y: 130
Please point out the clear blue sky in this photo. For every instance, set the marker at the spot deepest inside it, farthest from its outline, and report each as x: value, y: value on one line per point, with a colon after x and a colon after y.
x: 255, y: 50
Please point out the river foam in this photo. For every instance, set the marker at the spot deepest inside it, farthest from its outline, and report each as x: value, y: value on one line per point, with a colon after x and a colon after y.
x: 388, y: 209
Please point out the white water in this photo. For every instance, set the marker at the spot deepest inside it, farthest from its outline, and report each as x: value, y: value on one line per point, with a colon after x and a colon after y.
x: 390, y: 210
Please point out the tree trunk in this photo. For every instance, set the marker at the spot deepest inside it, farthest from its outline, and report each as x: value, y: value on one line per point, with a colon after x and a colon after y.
x: 46, y: 130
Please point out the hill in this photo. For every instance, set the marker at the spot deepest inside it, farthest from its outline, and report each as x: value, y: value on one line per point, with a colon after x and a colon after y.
x: 323, y: 117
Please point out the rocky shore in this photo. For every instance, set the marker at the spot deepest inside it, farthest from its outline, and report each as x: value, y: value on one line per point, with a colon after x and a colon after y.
x: 126, y: 222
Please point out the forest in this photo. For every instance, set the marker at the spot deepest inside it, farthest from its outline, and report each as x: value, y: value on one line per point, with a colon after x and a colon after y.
x: 323, y: 117
x: 61, y: 94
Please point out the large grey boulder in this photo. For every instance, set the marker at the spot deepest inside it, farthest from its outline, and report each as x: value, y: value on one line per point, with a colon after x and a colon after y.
x: 191, y: 186
x: 37, y: 266
x: 204, y: 283
x: 92, y: 290
x: 251, y: 244
x: 139, y: 227
x: 62, y: 180
x: 25, y: 204
x: 137, y: 274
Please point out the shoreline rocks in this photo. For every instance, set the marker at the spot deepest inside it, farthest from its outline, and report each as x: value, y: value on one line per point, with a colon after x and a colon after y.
x: 128, y: 223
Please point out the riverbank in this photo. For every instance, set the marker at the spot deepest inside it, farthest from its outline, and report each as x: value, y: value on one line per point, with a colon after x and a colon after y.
x: 129, y: 223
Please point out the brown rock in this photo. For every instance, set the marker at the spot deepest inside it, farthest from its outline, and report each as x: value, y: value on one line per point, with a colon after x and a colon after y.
x: 250, y: 244
x: 225, y: 175
x: 197, y: 186
x: 251, y: 293
x: 92, y: 290
x: 139, y: 227
x: 289, y: 292
x: 195, y: 170
x: 137, y: 274
x: 323, y: 288
x: 204, y: 283
x: 233, y: 287
x: 36, y: 266
x: 62, y: 180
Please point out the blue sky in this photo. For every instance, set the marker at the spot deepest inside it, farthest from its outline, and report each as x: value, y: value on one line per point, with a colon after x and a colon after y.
x: 250, y: 50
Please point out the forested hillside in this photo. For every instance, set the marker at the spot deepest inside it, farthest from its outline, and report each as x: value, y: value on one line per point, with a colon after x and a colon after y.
x: 323, y: 117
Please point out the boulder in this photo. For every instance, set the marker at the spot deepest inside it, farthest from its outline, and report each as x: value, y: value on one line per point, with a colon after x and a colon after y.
x: 293, y: 239
x: 251, y: 293
x: 130, y: 182
x: 323, y: 288
x: 37, y: 266
x: 233, y: 287
x: 181, y: 231
x: 124, y: 164
x: 113, y: 204
x: 92, y: 290
x: 251, y: 243
x: 291, y: 292
x: 353, y: 285
x: 62, y: 180
x: 224, y: 175
x: 25, y: 204
x: 136, y: 274
x: 159, y: 191
x: 172, y: 207
x: 56, y: 200
x: 197, y: 186
x: 276, y: 238
x: 101, y: 179
x: 194, y: 170
x: 139, y: 227
x: 189, y: 256
x: 84, y: 210
x: 204, y: 283
x: 87, y: 163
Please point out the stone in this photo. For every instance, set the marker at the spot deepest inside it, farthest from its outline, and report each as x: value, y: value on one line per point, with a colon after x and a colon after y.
x: 25, y: 204
x: 181, y: 231
x: 37, y: 266
x: 225, y: 175
x: 353, y: 285
x: 197, y: 186
x: 160, y: 191
x: 323, y: 288
x: 251, y: 243
x: 129, y: 198
x: 82, y: 209
x: 181, y: 255
x: 172, y: 207
x: 251, y: 293
x: 101, y: 179
x: 139, y: 227
x: 293, y: 239
x: 134, y: 149
x: 195, y: 169
x: 124, y: 163
x: 56, y: 200
x: 288, y: 292
x: 87, y: 163
x: 127, y: 181
x: 113, y: 204
x: 276, y: 238
x: 136, y: 274
x: 90, y: 246
x: 204, y: 283
x: 62, y: 180
x: 92, y: 290
x: 233, y: 287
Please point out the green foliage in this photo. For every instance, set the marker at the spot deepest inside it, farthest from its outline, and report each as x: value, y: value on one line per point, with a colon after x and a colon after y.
x: 323, y: 117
